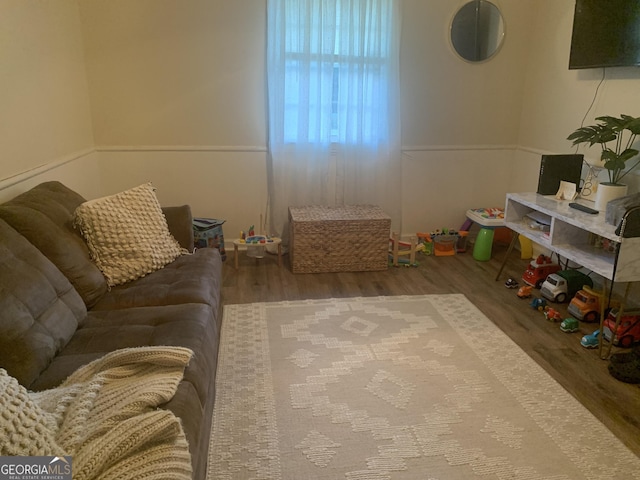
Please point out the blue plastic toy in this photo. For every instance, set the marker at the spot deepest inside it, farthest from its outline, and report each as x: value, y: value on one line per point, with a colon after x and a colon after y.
x: 538, y: 303
x: 591, y: 340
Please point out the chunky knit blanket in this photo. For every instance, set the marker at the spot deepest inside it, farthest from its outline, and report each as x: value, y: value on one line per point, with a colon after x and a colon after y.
x: 104, y: 416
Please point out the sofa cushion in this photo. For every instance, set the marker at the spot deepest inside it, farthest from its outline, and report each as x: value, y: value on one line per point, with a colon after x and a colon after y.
x: 127, y: 234
x: 188, y: 325
x: 44, y: 215
x: 180, y: 222
x: 39, y: 309
x: 189, y: 279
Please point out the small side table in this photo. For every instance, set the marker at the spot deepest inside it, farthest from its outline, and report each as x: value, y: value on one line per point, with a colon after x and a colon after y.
x: 272, y: 241
x: 489, y: 219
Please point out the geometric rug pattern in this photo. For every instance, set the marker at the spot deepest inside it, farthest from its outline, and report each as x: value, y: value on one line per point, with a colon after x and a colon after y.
x: 403, y: 387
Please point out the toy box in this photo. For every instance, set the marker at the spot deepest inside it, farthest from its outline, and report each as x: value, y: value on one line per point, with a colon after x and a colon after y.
x: 207, y: 233
x: 349, y: 238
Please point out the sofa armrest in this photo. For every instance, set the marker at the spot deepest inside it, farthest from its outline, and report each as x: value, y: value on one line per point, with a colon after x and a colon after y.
x: 180, y: 223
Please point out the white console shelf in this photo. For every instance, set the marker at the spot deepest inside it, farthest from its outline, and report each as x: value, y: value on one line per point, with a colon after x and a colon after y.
x: 572, y: 235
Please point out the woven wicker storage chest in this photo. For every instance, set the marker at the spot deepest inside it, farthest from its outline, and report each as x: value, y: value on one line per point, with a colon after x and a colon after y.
x: 351, y: 238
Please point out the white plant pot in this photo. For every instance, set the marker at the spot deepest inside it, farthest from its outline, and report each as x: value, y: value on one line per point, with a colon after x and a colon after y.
x: 607, y: 192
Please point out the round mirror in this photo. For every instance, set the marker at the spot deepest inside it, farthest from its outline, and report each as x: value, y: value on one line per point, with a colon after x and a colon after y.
x: 477, y: 30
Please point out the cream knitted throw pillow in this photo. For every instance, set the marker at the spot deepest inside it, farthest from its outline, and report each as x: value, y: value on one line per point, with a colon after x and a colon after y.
x: 127, y: 234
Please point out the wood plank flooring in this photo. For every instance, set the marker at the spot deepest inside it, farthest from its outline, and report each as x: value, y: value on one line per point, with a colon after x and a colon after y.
x: 580, y: 371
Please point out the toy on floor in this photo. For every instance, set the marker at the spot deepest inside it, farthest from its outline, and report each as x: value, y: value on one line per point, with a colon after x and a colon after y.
x: 570, y: 325
x: 511, y: 283
x: 445, y: 242
x: 491, y: 222
x: 585, y: 305
x: 249, y: 233
x: 409, y: 248
x: 524, y: 291
x: 625, y: 332
x: 427, y: 242
x: 538, y: 270
x: 591, y: 340
x: 538, y: 304
x: 552, y: 314
x: 564, y: 284
x: 256, y: 245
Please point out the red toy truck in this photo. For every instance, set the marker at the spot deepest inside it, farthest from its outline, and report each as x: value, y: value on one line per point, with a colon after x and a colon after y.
x: 628, y: 330
x: 538, y: 270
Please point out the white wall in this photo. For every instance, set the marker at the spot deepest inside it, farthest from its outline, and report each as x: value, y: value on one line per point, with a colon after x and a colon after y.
x: 176, y: 72
x: 46, y: 119
x: 439, y: 186
x: 177, y: 96
x: 186, y: 81
x: 79, y: 171
x: 447, y: 101
x: 556, y: 99
x: 460, y: 120
x: 229, y: 185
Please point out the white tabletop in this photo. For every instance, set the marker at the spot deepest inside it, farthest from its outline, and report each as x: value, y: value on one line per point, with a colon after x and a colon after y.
x: 487, y: 217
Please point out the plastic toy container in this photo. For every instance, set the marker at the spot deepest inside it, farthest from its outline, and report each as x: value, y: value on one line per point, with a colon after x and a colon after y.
x: 444, y: 245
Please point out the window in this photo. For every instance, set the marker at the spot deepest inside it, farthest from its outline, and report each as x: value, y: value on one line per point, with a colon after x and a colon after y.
x: 333, y: 105
x: 332, y: 59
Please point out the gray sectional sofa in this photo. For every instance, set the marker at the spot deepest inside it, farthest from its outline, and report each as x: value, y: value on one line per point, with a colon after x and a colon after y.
x: 57, y: 312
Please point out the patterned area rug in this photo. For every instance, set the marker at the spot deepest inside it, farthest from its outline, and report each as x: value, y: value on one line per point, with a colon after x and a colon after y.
x: 409, y: 387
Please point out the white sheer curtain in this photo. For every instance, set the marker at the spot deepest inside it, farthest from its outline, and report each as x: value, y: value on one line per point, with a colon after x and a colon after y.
x: 333, y: 102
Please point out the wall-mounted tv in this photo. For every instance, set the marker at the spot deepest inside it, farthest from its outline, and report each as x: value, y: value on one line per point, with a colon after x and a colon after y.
x: 606, y: 33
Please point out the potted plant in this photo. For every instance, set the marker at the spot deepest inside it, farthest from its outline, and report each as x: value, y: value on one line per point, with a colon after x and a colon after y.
x: 616, y: 136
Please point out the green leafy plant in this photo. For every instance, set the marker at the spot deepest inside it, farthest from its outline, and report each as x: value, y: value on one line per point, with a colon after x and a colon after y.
x: 620, y: 133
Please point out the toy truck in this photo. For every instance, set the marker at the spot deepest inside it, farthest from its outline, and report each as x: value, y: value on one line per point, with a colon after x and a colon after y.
x: 628, y: 331
x: 552, y: 315
x: 538, y: 270
x: 585, y: 305
x: 524, y: 291
x: 562, y: 285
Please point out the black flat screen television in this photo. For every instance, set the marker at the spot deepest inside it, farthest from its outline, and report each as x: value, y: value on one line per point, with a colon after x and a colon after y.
x: 606, y: 33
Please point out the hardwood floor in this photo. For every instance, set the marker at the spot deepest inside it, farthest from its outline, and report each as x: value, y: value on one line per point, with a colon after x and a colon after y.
x: 580, y: 371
